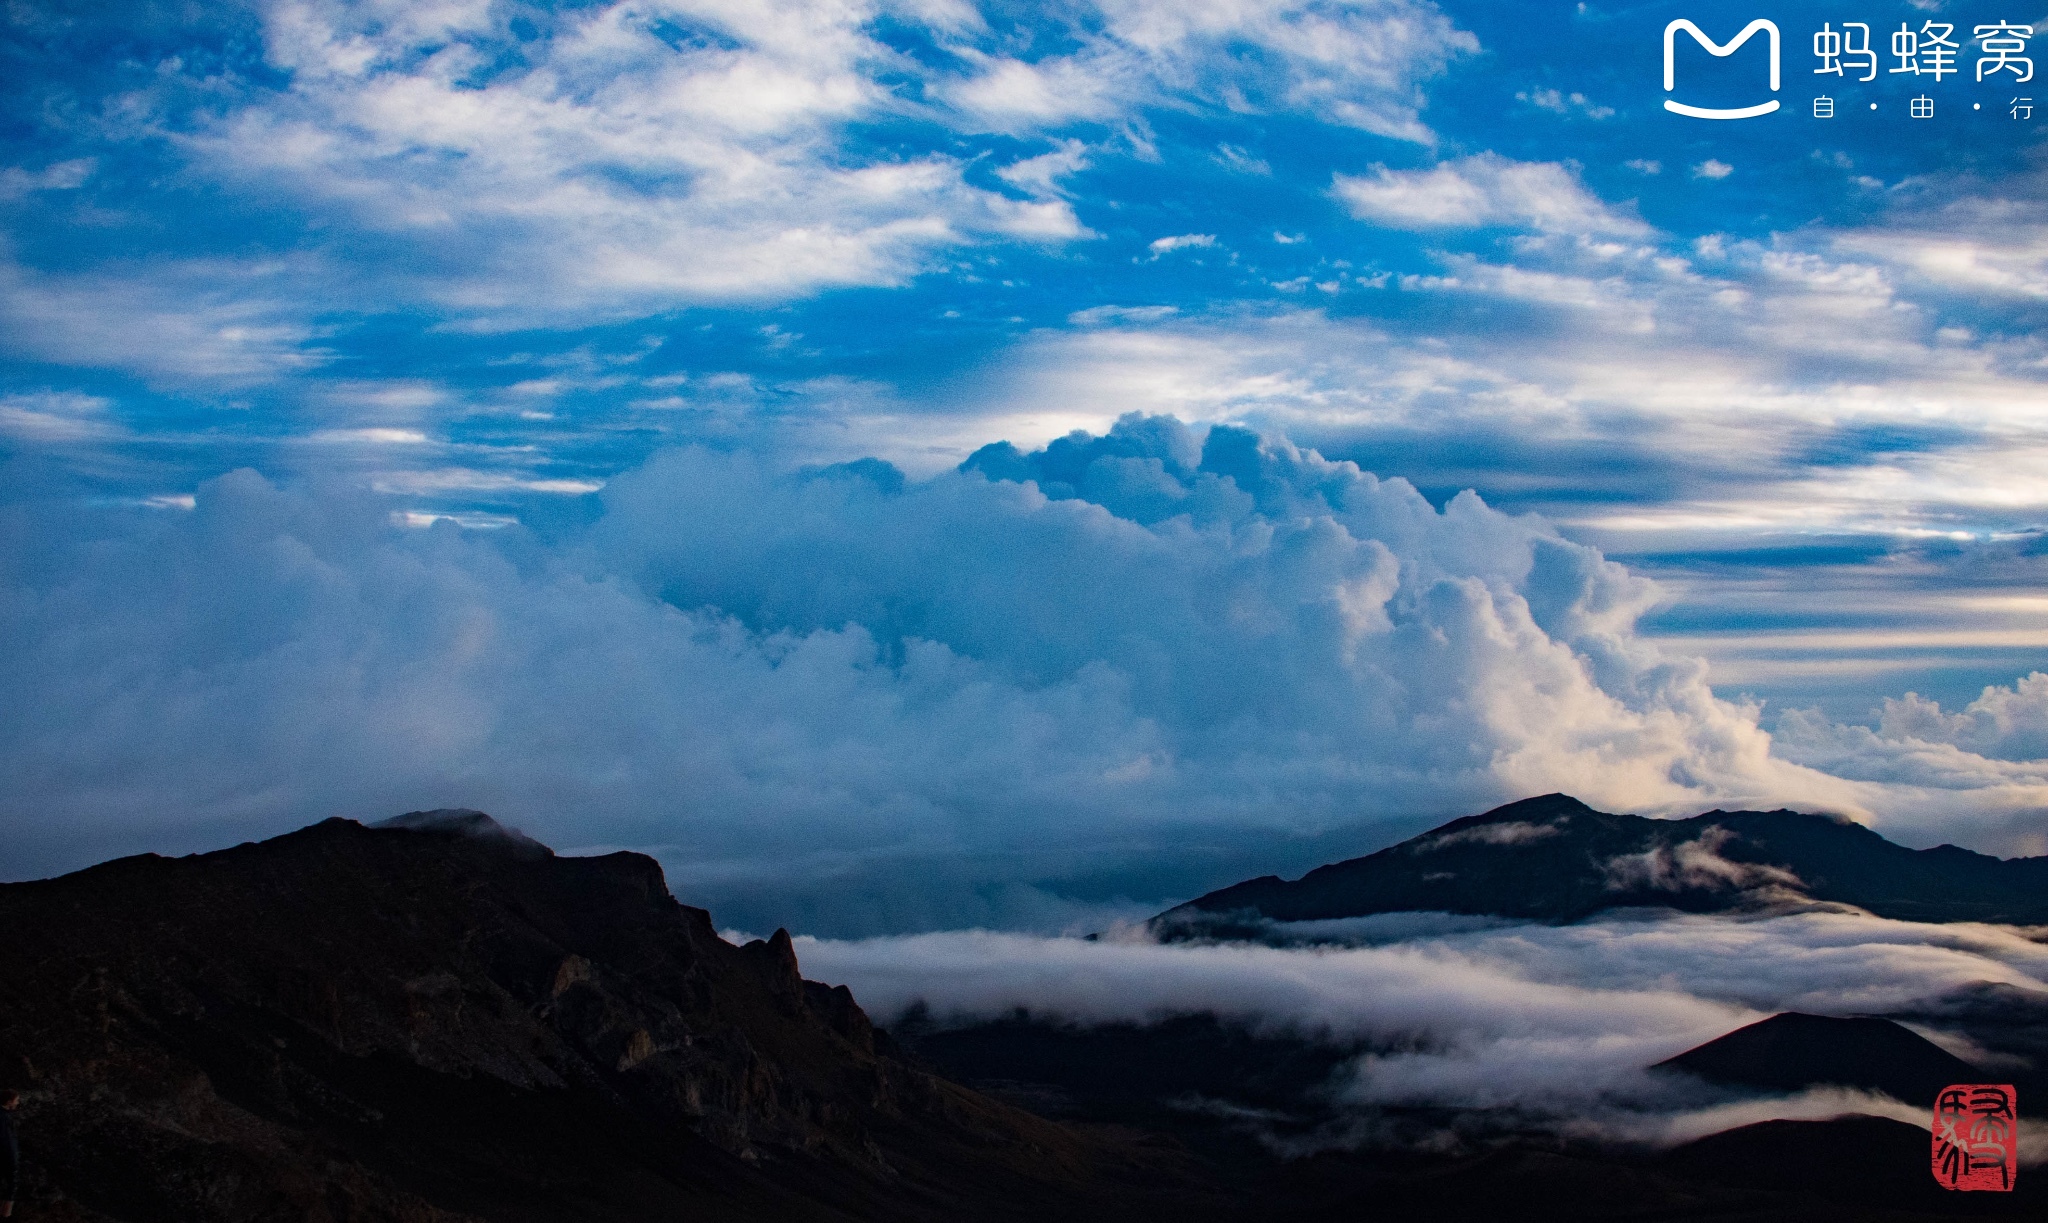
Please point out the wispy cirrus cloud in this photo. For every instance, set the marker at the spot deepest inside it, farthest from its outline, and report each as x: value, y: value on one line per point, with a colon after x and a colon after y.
x: 1358, y: 63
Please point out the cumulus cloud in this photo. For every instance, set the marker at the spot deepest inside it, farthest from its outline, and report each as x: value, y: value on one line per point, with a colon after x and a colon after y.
x: 2004, y: 723
x: 1993, y: 753
x: 1484, y: 189
x: 1075, y: 657
x: 1559, y: 1023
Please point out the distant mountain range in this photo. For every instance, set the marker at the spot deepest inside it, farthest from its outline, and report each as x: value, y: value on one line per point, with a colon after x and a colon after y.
x: 1554, y: 859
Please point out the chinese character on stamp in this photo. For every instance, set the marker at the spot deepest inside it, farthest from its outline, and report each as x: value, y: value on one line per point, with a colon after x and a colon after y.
x: 1975, y: 1137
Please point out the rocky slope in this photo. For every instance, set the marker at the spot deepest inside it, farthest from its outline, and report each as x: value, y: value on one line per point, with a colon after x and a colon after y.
x: 444, y: 1021
x: 1555, y: 859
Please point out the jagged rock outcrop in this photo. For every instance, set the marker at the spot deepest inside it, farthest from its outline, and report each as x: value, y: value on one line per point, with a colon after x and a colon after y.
x: 440, y: 1019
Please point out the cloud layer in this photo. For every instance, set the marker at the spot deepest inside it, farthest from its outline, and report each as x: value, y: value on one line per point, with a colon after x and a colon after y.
x: 1553, y: 1023
x: 484, y: 257
x: 512, y: 163
x: 1062, y: 656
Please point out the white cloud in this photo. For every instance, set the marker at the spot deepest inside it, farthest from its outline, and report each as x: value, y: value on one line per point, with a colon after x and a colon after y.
x: 2003, y: 723
x: 1738, y: 359
x: 1560, y: 103
x: 1513, y: 832
x: 225, y: 322
x: 1097, y: 316
x: 1235, y: 158
x: 16, y: 182
x: 56, y: 416
x: 622, y: 172
x: 1698, y: 864
x: 1178, y: 242
x: 1997, y: 249
x: 804, y: 678
x: 630, y: 157
x: 1484, y: 189
x: 1356, y: 62
x: 372, y: 436
x: 1992, y: 755
x: 1559, y: 1023
x: 1710, y: 168
x: 466, y: 479
x: 1040, y: 175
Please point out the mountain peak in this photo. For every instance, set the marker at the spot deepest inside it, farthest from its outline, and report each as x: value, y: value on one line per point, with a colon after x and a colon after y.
x: 1553, y: 858
x: 1793, y: 1051
x: 464, y: 822
x: 409, y: 1019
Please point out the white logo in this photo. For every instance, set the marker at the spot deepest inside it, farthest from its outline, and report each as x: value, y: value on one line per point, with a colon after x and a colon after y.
x: 1718, y: 50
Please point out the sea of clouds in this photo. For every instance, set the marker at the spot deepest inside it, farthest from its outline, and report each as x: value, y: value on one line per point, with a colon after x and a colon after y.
x: 1118, y: 670
x: 1555, y: 1025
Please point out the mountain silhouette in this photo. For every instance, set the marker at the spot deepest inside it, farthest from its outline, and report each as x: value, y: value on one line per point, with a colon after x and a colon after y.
x: 1793, y: 1051
x: 438, y: 1019
x: 1555, y: 859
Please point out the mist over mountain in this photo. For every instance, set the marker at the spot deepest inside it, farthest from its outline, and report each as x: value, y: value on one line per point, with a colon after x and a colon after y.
x: 1553, y: 858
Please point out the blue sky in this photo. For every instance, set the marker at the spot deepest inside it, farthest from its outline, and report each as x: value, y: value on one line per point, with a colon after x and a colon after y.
x: 496, y: 265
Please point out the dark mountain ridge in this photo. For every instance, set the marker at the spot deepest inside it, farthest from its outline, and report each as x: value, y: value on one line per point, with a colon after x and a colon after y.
x: 440, y: 1019
x: 1554, y: 859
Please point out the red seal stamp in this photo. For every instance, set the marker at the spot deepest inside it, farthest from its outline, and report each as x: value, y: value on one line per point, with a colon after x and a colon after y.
x: 1976, y: 1140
